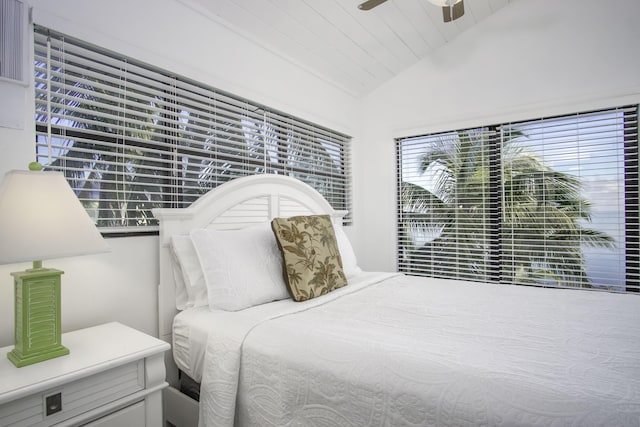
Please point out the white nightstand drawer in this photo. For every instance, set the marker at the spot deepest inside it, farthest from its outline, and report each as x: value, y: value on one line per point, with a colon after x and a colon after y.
x: 133, y: 415
x: 77, y: 397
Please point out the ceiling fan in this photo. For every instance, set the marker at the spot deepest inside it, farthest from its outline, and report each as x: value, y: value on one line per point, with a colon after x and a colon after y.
x: 451, y: 9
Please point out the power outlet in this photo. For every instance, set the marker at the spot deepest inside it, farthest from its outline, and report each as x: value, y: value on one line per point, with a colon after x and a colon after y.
x: 53, y: 403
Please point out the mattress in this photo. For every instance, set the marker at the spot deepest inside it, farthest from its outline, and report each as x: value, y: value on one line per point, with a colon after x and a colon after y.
x: 191, y: 327
x: 406, y: 351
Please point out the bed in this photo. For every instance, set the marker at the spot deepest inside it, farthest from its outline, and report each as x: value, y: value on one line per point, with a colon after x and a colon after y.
x: 385, y: 349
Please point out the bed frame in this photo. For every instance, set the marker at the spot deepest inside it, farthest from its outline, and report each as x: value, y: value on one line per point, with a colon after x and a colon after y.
x: 233, y: 205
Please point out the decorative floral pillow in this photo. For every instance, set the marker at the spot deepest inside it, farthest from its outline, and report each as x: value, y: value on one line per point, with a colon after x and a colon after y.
x: 311, y: 257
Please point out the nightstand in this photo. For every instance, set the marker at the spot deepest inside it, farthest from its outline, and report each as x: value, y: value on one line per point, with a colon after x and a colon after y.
x: 113, y: 376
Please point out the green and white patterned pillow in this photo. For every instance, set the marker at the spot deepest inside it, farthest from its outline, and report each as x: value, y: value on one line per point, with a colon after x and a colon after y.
x: 312, y: 261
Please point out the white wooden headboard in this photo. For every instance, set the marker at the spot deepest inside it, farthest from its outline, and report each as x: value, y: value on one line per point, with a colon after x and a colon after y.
x: 236, y: 204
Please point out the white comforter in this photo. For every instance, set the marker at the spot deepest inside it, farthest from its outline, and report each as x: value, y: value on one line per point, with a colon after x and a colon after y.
x: 406, y: 351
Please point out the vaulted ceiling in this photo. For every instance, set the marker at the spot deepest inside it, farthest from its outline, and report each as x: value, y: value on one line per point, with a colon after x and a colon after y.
x: 353, y: 49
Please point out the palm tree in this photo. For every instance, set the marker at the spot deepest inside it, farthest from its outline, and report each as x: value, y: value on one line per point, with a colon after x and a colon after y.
x: 116, y: 192
x: 451, y: 223
x: 117, y: 165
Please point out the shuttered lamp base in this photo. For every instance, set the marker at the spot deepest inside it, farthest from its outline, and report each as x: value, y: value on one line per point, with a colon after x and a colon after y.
x: 37, y: 316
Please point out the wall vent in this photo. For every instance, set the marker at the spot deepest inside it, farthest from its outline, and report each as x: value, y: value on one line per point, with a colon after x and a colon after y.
x: 13, y: 40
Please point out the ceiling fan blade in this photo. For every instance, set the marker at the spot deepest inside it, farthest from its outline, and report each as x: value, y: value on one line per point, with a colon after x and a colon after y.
x: 370, y: 4
x: 451, y: 13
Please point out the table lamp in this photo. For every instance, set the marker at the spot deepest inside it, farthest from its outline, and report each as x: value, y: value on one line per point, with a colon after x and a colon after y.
x: 41, y: 218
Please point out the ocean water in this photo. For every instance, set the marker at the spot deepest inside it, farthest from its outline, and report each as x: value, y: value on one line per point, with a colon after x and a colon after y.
x: 606, y: 266
x: 605, y: 270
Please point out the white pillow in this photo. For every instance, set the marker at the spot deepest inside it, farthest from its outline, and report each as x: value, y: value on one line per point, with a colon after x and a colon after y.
x: 182, y: 297
x: 242, y: 268
x: 349, y: 260
x: 192, y: 275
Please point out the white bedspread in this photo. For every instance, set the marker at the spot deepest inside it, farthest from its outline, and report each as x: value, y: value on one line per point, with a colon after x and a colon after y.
x: 409, y: 351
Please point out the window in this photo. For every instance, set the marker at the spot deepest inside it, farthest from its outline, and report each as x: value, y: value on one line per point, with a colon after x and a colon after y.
x: 549, y: 202
x: 130, y: 137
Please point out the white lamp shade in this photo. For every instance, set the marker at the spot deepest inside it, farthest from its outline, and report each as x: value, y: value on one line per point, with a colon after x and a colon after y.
x: 444, y: 2
x: 41, y: 218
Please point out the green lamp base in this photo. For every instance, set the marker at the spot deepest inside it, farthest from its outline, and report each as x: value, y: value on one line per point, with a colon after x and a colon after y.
x: 21, y: 360
x: 38, y: 334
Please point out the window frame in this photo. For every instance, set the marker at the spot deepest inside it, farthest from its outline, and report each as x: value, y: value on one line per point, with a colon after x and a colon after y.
x: 495, y: 251
x: 198, y: 136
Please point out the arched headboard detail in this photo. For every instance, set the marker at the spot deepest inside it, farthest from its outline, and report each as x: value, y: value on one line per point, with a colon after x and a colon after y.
x: 235, y: 204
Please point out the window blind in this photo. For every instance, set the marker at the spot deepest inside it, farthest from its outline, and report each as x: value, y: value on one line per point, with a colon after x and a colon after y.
x: 446, y: 210
x: 13, y: 22
x: 548, y: 202
x: 130, y: 137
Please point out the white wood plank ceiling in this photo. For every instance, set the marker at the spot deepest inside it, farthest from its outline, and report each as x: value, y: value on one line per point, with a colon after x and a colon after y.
x: 355, y: 50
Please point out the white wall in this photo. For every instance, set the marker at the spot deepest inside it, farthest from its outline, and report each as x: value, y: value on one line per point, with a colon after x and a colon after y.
x: 533, y: 58
x: 121, y: 285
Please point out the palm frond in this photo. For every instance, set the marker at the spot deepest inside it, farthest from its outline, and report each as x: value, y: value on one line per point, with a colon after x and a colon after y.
x: 543, y: 212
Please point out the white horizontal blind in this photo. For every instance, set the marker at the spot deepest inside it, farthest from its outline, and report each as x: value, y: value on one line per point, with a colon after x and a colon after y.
x: 314, y: 155
x: 446, y: 209
x: 13, y: 22
x: 130, y: 137
x: 549, y: 202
